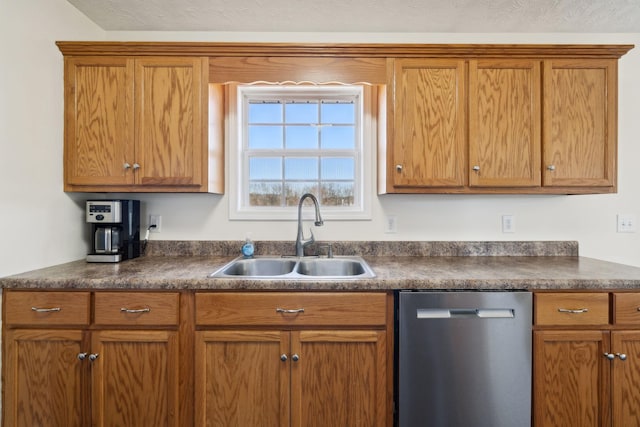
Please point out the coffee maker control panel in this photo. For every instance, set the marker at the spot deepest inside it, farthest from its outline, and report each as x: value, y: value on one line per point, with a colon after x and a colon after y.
x: 104, y: 212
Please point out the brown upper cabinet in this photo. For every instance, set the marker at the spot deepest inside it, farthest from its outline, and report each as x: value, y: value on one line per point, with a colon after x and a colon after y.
x: 491, y: 125
x: 136, y: 124
x: 452, y: 119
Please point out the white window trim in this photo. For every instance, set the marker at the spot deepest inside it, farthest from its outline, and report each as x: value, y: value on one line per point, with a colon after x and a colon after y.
x: 235, y: 164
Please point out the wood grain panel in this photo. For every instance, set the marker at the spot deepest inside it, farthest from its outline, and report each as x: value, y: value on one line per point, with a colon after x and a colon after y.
x: 580, y: 122
x: 280, y: 69
x: 44, y: 385
x: 259, y: 308
x: 241, y: 380
x: 626, y: 377
x: 346, y: 368
x: 549, y: 309
x: 381, y: 50
x: 572, y: 379
x: 169, y: 119
x: 70, y: 308
x: 163, y: 308
x: 429, y: 142
x: 98, y: 121
x: 504, y: 123
x: 135, y: 378
x: 626, y: 309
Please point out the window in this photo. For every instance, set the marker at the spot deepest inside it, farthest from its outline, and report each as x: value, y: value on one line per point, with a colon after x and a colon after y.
x: 287, y: 140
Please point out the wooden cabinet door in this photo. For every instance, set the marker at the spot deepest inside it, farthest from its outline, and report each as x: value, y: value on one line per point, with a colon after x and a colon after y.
x: 170, y: 104
x: 242, y: 379
x: 45, y: 381
x: 99, y: 137
x: 429, y: 142
x: 571, y: 379
x: 626, y: 377
x: 339, y: 378
x: 504, y: 123
x: 580, y: 122
x: 135, y: 378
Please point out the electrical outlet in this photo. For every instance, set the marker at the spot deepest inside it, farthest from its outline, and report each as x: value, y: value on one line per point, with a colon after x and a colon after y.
x: 508, y: 224
x: 626, y: 223
x: 157, y: 221
x: 391, y: 224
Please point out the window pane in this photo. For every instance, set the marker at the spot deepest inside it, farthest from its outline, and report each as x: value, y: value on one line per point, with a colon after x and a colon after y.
x: 301, y: 168
x: 338, y: 113
x: 261, y: 168
x: 295, y: 190
x: 338, y: 137
x: 265, y: 137
x: 265, y: 113
x: 301, y: 112
x: 338, y: 168
x: 337, y: 193
x: 301, y: 137
x: 265, y: 193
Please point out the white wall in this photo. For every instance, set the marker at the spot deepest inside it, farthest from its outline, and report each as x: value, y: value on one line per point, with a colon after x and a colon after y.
x: 39, y: 224
x: 42, y: 226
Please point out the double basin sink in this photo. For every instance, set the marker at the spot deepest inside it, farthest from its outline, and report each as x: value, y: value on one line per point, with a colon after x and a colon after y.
x: 296, y: 268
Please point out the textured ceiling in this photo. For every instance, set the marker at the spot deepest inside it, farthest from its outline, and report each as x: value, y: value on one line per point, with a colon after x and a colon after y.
x: 421, y: 16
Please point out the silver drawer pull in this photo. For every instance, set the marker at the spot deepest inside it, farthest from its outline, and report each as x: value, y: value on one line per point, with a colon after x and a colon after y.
x: 45, y: 310
x: 284, y: 310
x: 573, y: 311
x: 135, y: 310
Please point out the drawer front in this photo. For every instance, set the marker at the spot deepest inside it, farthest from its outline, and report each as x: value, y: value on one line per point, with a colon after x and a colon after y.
x: 574, y: 309
x: 626, y: 308
x: 283, y: 308
x: 137, y: 308
x: 47, y: 308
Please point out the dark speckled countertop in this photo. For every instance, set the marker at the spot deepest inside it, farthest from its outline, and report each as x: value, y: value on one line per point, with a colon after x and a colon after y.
x: 398, y: 265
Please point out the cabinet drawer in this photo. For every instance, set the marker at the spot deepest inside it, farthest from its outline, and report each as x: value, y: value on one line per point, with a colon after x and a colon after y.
x: 572, y: 309
x: 627, y: 309
x: 137, y: 308
x: 47, y: 308
x: 281, y: 309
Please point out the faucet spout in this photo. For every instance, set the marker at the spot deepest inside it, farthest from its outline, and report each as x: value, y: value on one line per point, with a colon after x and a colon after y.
x: 301, y: 242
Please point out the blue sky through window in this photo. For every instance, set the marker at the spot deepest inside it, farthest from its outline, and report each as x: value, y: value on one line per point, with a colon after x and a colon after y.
x: 296, y: 146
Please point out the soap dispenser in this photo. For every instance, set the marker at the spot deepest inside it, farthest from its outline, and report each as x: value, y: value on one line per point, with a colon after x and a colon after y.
x: 248, y: 248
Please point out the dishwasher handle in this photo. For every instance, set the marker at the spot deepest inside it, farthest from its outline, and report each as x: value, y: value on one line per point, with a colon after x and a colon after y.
x: 450, y: 313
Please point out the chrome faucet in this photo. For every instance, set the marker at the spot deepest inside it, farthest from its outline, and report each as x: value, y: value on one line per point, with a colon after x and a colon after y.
x: 301, y: 242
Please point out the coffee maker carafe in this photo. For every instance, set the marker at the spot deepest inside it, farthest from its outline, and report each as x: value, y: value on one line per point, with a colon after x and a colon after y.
x: 115, y: 230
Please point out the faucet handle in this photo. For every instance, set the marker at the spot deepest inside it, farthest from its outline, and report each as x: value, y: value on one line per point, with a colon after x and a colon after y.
x: 329, y: 249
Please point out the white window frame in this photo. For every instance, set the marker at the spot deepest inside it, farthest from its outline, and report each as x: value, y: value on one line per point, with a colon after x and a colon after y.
x: 237, y: 164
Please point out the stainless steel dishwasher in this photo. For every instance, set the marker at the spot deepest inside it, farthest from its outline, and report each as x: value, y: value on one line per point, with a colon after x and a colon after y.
x: 464, y: 359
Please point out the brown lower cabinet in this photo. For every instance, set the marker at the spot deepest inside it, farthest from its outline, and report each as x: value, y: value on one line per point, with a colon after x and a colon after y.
x: 291, y: 359
x: 587, y: 359
x: 63, y: 369
x: 176, y: 359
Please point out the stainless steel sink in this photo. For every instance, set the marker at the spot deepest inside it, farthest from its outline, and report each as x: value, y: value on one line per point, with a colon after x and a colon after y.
x: 259, y: 267
x: 296, y: 268
x: 331, y: 267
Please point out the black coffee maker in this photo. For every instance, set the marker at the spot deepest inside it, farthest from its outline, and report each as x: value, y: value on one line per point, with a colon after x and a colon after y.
x: 115, y: 230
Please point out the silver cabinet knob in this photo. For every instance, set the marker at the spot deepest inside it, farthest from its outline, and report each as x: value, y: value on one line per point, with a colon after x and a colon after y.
x: 398, y: 168
x: 622, y: 356
x: 610, y: 356
x: 82, y: 356
x: 283, y: 357
x: 476, y: 168
x: 136, y: 166
x: 295, y: 357
x: 126, y: 166
x: 93, y: 357
x: 551, y: 168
